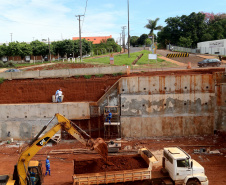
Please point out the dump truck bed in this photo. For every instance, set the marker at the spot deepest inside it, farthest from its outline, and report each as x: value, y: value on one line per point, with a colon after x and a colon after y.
x: 142, y: 164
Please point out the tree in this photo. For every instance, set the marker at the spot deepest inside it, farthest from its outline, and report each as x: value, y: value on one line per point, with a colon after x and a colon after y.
x: 192, y: 26
x: 141, y: 39
x: 13, y: 49
x: 134, y: 40
x: 185, y: 42
x: 3, y: 50
x: 148, y: 42
x: 25, y: 50
x: 152, y: 25
x: 39, y: 48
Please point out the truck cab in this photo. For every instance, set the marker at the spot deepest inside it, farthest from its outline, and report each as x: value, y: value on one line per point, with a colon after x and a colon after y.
x: 182, y: 169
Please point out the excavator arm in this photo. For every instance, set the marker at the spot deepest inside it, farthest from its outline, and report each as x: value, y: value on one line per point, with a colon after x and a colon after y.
x: 63, y: 123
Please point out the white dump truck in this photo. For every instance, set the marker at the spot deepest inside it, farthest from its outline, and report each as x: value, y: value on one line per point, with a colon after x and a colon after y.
x: 177, y: 168
x: 180, y: 168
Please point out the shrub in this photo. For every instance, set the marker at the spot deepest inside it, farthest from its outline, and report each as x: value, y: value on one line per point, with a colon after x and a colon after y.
x: 87, y: 76
x: 1, y: 64
x: 117, y: 74
x: 9, y: 64
x: 77, y: 76
x: 99, y: 75
x: 1, y: 80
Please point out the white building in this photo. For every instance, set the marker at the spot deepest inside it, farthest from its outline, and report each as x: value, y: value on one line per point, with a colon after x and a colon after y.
x: 215, y: 47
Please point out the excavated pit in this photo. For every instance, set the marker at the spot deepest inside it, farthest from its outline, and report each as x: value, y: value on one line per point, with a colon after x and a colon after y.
x: 97, y: 165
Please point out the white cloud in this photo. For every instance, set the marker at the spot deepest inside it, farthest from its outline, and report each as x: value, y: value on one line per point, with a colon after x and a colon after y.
x: 38, y: 19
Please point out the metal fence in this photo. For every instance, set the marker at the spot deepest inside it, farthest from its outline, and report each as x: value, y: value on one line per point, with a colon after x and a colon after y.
x: 201, y: 50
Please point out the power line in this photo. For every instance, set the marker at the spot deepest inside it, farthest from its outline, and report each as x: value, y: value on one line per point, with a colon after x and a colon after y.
x: 84, y: 13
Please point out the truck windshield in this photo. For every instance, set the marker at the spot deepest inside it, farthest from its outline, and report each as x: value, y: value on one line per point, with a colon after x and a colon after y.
x: 182, y: 163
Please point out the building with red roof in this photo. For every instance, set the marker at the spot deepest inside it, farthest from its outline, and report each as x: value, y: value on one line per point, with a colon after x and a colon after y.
x: 95, y: 40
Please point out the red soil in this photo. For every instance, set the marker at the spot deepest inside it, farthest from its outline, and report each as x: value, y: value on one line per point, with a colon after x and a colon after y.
x: 75, y: 89
x: 120, y: 163
x: 62, y: 164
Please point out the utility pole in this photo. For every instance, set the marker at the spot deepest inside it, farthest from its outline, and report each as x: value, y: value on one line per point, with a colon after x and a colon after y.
x: 128, y: 33
x: 11, y: 36
x: 79, y: 16
x: 123, y: 37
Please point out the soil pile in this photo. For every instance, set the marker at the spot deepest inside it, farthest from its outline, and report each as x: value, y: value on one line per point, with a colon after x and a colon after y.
x: 128, y: 162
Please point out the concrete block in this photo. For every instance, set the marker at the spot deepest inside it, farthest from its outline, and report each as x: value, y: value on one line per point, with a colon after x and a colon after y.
x: 6, y: 75
x: 30, y: 74
x: 54, y: 73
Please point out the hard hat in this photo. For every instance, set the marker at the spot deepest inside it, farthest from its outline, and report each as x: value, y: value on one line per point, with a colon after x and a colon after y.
x: 48, y: 157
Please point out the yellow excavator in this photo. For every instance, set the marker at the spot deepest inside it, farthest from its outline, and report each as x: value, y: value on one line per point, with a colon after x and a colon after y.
x: 25, y: 167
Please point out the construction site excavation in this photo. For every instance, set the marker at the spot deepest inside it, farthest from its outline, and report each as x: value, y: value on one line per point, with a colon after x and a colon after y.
x: 163, y: 127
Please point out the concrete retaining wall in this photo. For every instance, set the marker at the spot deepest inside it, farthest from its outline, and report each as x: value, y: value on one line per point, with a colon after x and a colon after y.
x: 63, y: 72
x: 140, y: 127
x: 23, y: 121
x: 172, y: 105
x: 167, y: 105
x: 220, y: 111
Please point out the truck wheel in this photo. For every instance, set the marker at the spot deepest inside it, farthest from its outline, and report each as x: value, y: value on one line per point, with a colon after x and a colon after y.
x: 192, y: 182
x: 218, y: 65
x: 205, y: 65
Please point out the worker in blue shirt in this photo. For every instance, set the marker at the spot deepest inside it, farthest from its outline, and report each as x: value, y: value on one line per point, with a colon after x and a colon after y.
x: 47, y: 165
x: 108, y: 118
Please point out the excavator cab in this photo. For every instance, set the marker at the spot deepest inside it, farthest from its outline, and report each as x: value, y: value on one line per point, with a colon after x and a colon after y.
x: 35, y: 174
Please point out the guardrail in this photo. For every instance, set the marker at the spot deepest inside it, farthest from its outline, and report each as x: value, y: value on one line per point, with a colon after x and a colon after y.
x: 63, y: 72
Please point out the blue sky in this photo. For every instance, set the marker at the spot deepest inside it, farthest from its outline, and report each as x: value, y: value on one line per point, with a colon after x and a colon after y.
x: 29, y: 20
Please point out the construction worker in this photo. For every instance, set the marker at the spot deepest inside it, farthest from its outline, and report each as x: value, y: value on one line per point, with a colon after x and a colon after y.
x: 47, y: 166
x: 56, y: 96
x: 60, y: 96
x: 32, y: 177
x: 108, y: 118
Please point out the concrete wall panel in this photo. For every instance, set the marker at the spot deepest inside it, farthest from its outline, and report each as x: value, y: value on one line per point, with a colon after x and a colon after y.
x: 136, y: 125
x: 167, y: 126
x: 167, y: 84
x: 154, y: 84
x: 143, y: 85
x: 30, y: 111
x: 125, y: 127
x: 199, y: 103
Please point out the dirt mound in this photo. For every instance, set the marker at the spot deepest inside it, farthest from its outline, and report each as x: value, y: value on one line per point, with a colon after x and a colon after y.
x: 120, y: 163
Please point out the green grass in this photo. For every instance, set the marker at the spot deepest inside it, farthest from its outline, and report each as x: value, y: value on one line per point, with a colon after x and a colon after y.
x: 123, y: 59
x: 1, y: 80
x: 99, y: 75
x: 119, y: 60
x: 87, y: 76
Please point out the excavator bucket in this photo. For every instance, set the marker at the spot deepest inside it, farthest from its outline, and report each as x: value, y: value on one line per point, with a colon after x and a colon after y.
x: 101, y: 147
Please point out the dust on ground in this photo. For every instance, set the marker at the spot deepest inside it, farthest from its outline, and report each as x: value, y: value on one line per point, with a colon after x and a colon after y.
x: 62, y: 164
